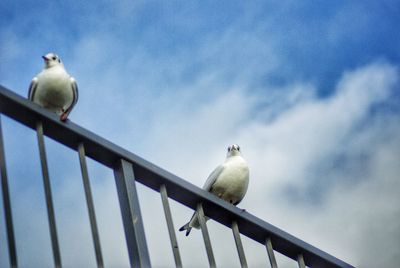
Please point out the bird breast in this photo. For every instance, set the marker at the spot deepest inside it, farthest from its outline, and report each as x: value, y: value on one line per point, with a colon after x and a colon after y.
x: 232, y: 183
x: 54, y: 89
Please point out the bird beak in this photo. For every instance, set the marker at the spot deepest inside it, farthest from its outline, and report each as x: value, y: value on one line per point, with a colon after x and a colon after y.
x: 45, y: 59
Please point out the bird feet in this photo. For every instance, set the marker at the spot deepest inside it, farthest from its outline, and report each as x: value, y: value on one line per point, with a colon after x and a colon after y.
x: 63, y: 117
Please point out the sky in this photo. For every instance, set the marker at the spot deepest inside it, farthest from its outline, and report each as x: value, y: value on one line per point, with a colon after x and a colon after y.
x: 310, y: 90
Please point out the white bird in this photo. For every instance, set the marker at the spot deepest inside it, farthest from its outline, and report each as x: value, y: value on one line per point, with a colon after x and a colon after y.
x: 228, y: 181
x: 53, y: 88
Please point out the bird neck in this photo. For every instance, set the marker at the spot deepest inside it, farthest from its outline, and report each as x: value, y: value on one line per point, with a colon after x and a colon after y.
x: 235, y: 156
x: 60, y: 65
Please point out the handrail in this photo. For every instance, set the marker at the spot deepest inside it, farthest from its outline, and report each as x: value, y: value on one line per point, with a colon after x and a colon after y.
x: 150, y: 175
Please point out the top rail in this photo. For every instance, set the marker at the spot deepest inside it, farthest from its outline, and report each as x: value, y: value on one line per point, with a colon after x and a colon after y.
x: 107, y: 153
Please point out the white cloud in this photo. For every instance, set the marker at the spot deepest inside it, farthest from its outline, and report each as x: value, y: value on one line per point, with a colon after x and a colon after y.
x: 355, y: 203
x: 282, y: 151
x: 285, y: 151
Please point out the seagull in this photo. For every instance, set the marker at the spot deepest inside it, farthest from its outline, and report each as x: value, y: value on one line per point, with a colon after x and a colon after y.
x: 53, y: 88
x: 228, y: 181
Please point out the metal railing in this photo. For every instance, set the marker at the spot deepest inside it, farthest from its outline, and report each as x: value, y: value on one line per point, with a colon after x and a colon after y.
x: 129, y: 168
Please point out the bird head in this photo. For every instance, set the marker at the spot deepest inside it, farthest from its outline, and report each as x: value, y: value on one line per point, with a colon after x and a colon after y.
x: 233, y: 150
x: 51, y: 60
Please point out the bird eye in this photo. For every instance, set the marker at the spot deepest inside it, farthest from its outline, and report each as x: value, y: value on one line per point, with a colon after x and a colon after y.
x: 54, y: 58
x: 229, y: 148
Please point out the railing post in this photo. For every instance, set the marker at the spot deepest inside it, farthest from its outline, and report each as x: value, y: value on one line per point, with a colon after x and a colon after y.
x: 48, y: 195
x: 12, y: 252
x: 131, y: 216
x: 271, y: 255
x: 170, y: 225
x: 300, y: 261
x: 239, y: 246
x: 90, y: 206
x: 206, y: 236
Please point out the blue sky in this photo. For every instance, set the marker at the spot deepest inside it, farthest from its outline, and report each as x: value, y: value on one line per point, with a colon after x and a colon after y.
x: 310, y: 90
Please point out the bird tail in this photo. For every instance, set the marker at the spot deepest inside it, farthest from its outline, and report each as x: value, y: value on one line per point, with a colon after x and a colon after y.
x: 187, y: 228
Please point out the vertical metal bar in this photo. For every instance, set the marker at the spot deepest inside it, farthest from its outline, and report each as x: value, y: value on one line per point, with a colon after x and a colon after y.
x: 300, y: 261
x: 239, y: 246
x: 206, y: 236
x: 12, y: 252
x: 90, y: 205
x: 49, y: 199
x: 271, y: 255
x: 170, y: 224
x: 131, y: 216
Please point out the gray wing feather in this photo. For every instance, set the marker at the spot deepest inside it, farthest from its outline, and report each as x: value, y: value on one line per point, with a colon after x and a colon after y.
x: 75, y: 94
x: 213, y: 177
x: 194, y: 222
x: 32, y: 89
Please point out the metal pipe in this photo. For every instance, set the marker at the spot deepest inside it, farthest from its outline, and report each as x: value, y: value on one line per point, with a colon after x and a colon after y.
x: 12, y: 252
x: 48, y: 195
x: 271, y: 254
x: 90, y: 205
x: 170, y: 225
x: 300, y: 261
x: 206, y: 236
x: 239, y: 246
x: 131, y: 216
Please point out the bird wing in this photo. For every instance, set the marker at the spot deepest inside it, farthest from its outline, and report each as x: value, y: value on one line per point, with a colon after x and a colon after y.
x: 213, y: 177
x: 75, y: 95
x: 32, y: 88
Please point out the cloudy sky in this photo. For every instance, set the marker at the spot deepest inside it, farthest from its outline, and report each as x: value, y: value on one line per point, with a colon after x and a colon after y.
x: 310, y: 90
